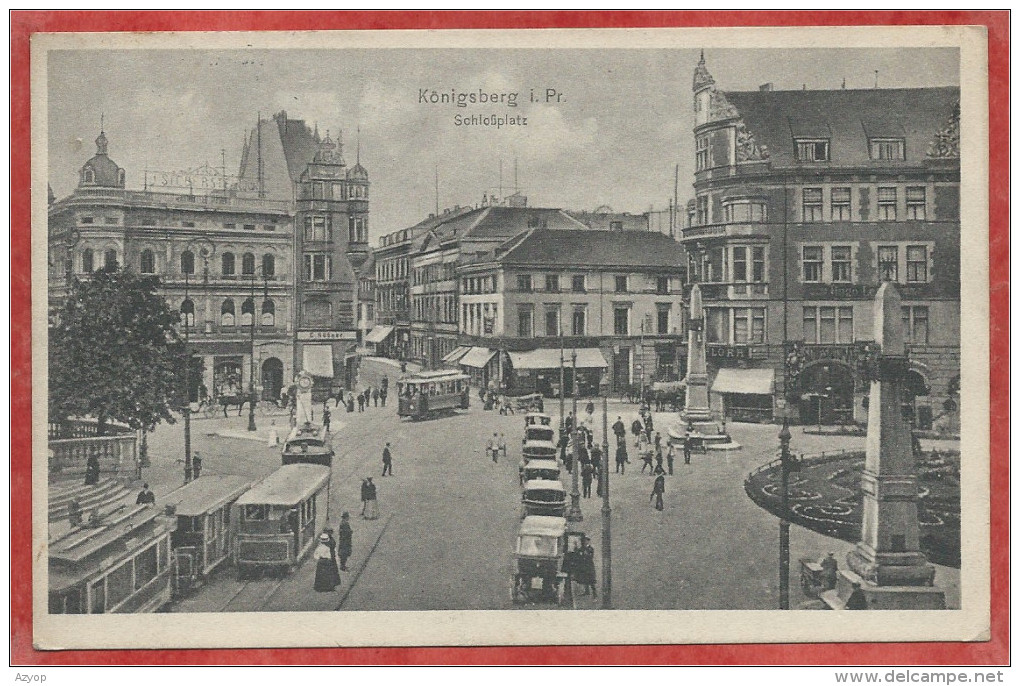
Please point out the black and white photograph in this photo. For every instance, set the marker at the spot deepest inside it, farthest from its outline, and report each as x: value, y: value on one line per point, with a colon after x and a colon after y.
x: 590, y: 337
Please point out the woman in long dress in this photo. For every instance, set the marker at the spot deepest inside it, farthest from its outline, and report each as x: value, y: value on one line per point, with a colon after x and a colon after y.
x: 326, y: 575
x: 368, y: 495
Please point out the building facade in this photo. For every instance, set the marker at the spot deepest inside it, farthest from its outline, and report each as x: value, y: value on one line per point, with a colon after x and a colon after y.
x: 613, y: 298
x: 435, y: 256
x: 225, y: 262
x: 331, y: 246
x: 805, y: 202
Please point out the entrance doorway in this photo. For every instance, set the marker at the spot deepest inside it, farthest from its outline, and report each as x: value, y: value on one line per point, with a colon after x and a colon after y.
x: 621, y: 370
x: 827, y: 395
x: 272, y: 378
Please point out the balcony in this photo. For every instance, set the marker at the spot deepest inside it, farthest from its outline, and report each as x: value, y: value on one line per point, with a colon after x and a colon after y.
x: 735, y: 230
x: 734, y: 291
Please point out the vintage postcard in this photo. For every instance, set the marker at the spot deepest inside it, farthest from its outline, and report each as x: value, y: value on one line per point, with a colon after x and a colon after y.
x: 510, y: 337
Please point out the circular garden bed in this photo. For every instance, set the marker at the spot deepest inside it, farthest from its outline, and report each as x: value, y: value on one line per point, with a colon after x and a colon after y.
x: 825, y: 496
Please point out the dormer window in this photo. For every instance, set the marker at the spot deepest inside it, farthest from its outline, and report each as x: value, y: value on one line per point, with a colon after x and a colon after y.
x: 813, y: 149
x: 89, y: 176
x: 887, y: 149
x: 120, y: 177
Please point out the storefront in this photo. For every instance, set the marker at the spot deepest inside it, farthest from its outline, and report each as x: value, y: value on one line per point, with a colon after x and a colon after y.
x: 380, y: 340
x: 480, y: 364
x: 330, y: 357
x: 538, y: 371
x: 743, y: 394
x: 454, y: 356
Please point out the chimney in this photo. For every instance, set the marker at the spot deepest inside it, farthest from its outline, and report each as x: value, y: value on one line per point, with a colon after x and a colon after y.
x: 766, y: 86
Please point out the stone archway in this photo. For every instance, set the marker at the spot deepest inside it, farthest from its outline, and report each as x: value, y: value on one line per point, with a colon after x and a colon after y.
x: 827, y: 387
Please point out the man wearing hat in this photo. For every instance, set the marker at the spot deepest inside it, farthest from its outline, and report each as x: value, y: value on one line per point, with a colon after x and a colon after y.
x: 344, y: 540
x: 369, y: 504
x: 387, y: 460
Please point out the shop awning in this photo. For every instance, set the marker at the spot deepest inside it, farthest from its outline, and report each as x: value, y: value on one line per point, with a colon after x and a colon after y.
x: 455, y: 354
x: 549, y: 358
x: 378, y: 334
x: 744, y: 381
x: 318, y: 360
x: 477, y: 357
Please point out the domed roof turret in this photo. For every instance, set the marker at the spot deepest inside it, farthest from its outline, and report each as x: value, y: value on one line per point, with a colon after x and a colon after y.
x: 330, y: 152
x: 101, y: 170
x: 357, y: 173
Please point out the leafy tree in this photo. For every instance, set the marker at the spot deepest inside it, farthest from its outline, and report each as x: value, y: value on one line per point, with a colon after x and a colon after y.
x: 115, y: 353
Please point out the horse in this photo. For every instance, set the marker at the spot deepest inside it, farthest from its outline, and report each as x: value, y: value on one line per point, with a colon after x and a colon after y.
x: 229, y: 400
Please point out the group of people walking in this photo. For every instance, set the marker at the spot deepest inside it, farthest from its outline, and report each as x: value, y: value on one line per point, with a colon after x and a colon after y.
x: 657, y: 455
x: 327, y: 568
x: 370, y: 396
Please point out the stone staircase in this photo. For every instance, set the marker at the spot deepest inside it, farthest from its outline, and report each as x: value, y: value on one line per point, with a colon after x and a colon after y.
x: 107, y: 495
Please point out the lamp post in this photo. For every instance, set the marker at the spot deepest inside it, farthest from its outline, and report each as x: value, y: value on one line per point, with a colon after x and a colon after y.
x: 786, y: 464
x: 607, y: 556
x: 251, y: 363
x: 563, y: 423
x: 574, y: 513
x: 187, y: 385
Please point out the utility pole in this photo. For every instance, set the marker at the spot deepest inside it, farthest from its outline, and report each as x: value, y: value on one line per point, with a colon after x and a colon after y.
x: 251, y: 365
x: 785, y: 462
x: 607, y: 555
x: 187, y: 388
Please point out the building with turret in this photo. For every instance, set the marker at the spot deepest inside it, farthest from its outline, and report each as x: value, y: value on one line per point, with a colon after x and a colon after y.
x: 805, y: 202
x: 225, y: 262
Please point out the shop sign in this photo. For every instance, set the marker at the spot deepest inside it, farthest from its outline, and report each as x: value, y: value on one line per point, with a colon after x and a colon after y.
x: 727, y: 352
x: 839, y: 291
x: 327, y: 335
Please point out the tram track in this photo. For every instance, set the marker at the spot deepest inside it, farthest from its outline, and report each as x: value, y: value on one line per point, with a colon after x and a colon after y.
x: 253, y: 596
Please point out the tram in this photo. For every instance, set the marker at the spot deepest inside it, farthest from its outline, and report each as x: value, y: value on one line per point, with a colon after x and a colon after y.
x: 309, y: 444
x: 201, y: 541
x: 118, y: 561
x: 427, y: 393
x: 277, y: 521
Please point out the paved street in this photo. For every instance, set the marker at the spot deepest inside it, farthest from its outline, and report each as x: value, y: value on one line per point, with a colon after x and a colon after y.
x: 449, y: 518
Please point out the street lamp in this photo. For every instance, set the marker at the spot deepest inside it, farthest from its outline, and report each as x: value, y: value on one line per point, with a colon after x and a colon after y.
x: 206, y: 250
x: 574, y: 513
x: 787, y: 464
x: 251, y: 364
x: 607, y: 557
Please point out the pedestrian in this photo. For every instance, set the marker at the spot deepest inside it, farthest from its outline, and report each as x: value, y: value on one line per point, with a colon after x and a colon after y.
x: 383, y: 392
x: 493, y: 447
x: 385, y: 384
x: 596, y: 469
x: 658, y: 440
x: 332, y: 552
x: 669, y: 457
x: 196, y: 465
x: 646, y: 461
x: 369, y: 502
x: 590, y: 408
x: 350, y: 402
x: 658, y: 459
x: 92, y: 469
x: 637, y: 429
x: 586, y: 567
x: 830, y: 569
x: 687, y: 448
x: 326, y: 576
x: 345, y: 537
x: 857, y: 599
x: 619, y: 429
x: 569, y: 423
x: 325, y: 417
x: 375, y: 397
x: 586, y: 472
x: 361, y: 402
x: 621, y: 457
x: 146, y: 497
x: 74, y: 514
x: 502, y: 445
x: 658, y: 488
x: 338, y: 397
x: 564, y: 440
x: 387, y: 461
x: 648, y: 431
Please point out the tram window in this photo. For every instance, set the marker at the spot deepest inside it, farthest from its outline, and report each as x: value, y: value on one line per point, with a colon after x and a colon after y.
x: 256, y: 513
x: 120, y: 584
x: 97, y: 606
x: 145, y: 567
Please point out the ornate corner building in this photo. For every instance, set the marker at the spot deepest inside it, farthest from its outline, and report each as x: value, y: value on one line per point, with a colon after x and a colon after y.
x: 805, y: 202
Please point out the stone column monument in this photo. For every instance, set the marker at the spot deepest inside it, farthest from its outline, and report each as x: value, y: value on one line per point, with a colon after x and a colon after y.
x: 888, y: 571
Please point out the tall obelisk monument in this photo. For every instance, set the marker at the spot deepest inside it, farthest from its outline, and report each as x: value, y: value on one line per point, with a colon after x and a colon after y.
x: 696, y: 394
x: 888, y: 566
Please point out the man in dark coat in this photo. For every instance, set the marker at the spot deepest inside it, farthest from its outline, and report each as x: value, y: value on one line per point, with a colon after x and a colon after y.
x: 92, y: 470
x: 586, y: 567
x: 621, y: 457
x: 375, y: 397
x: 382, y: 394
x: 637, y: 430
x: 658, y: 489
x: 586, y: 473
x: 687, y: 448
x: 345, y: 536
x: 619, y: 430
x: 145, y: 497
x: 387, y: 461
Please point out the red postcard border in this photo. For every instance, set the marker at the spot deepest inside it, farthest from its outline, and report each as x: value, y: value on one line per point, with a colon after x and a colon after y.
x: 995, y: 651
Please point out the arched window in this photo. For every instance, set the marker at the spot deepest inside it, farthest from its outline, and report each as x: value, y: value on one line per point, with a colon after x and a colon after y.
x: 87, y: 259
x: 268, y: 313
x: 248, y: 264
x: 110, y: 259
x: 227, y: 267
x: 227, y: 313
x: 88, y: 175
x: 247, y: 311
x: 187, y: 262
x: 268, y: 266
x: 120, y: 177
x: 188, y: 313
x: 147, y: 262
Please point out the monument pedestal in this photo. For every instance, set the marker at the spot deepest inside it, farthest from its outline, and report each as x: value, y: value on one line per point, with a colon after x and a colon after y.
x: 878, y: 597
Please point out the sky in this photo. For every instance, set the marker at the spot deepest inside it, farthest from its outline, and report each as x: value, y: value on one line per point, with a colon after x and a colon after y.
x: 621, y: 121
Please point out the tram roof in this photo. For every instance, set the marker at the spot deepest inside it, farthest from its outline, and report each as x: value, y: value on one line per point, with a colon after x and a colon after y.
x: 117, y: 528
x: 542, y: 525
x: 435, y: 375
x: 288, y: 485
x: 205, y: 495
